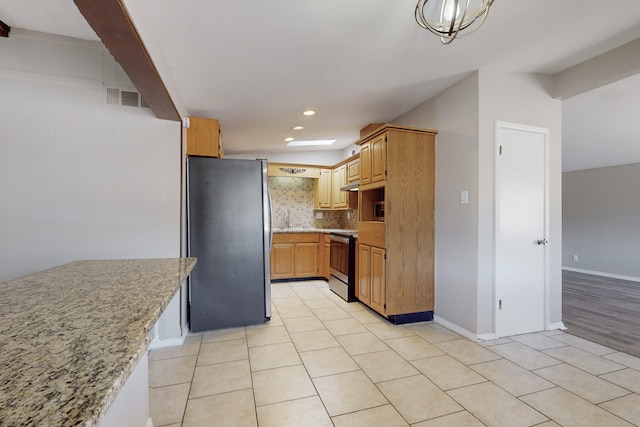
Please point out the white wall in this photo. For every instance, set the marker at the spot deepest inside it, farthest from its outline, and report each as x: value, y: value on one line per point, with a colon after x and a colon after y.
x: 79, y: 179
x: 464, y: 116
x: 454, y: 114
x: 524, y: 99
x: 350, y: 150
x: 600, y: 223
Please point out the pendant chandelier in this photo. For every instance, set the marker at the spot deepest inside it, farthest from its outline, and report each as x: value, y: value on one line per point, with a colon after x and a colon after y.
x: 449, y: 19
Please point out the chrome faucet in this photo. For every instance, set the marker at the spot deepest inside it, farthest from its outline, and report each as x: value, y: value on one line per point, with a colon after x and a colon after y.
x: 287, y: 217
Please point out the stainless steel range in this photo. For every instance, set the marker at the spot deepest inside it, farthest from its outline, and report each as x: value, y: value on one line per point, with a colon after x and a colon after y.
x: 342, y: 266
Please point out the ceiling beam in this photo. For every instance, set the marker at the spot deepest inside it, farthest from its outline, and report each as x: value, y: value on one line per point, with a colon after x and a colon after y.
x: 4, y: 29
x: 609, y: 67
x: 111, y: 22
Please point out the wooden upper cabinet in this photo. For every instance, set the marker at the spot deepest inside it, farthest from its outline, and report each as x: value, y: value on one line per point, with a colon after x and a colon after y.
x: 328, y: 189
x: 323, y: 189
x: 379, y: 158
x: 204, y: 138
x: 220, y: 146
x: 353, y: 170
x: 340, y: 198
x: 373, y: 160
x: 365, y: 163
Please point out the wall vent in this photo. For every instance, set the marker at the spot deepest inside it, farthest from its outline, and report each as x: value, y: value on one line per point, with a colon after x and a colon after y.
x: 130, y: 99
x: 113, y: 96
x: 127, y: 98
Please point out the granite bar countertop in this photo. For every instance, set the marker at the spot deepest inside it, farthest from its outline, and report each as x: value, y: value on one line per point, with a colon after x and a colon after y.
x: 70, y: 336
x: 345, y: 232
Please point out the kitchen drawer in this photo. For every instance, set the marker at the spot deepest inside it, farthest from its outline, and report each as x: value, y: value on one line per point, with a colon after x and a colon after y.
x: 295, y: 237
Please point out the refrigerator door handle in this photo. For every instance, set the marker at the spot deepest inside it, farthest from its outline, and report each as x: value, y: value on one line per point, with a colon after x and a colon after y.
x: 270, y: 219
x: 188, y: 227
x: 268, y: 210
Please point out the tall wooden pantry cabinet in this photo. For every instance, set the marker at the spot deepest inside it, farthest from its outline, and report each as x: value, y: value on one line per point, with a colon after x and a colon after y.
x: 396, y: 223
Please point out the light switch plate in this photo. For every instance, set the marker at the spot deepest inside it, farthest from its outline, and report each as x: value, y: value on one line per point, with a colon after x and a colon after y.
x: 318, y: 215
x: 464, y: 197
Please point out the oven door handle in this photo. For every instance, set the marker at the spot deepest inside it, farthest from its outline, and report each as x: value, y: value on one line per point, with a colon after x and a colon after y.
x: 337, y: 238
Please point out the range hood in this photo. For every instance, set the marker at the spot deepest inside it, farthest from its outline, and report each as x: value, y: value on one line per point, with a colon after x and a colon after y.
x: 352, y: 186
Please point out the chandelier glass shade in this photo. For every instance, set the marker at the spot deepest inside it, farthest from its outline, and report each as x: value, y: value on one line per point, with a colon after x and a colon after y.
x: 449, y: 19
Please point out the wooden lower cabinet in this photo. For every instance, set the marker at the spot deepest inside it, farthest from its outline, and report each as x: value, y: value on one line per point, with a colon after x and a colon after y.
x: 299, y: 255
x: 326, y: 256
x: 306, y: 260
x: 378, y: 280
x: 364, y: 273
x: 372, y: 277
x: 282, y: 260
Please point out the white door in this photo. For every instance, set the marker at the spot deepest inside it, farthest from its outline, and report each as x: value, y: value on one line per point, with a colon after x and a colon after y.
x: 521, y: 229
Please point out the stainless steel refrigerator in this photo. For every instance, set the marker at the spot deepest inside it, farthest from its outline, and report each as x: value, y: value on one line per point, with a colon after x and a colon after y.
x: 229, y: 231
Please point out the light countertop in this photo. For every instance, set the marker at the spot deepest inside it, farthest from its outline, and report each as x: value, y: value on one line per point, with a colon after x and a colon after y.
x: 316, y: 230
x: 71, y: 336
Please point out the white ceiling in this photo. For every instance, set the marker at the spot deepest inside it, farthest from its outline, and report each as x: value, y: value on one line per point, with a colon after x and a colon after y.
x: 59, y: 17
x: 256, y: 65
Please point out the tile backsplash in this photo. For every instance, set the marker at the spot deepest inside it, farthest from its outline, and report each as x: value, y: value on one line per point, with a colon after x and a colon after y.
x: 298, y: 195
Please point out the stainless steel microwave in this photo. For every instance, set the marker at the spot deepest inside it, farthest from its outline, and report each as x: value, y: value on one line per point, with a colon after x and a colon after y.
x: 378, y: 211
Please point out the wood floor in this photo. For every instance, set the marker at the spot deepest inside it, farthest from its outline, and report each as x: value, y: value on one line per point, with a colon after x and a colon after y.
x: 603, y: 310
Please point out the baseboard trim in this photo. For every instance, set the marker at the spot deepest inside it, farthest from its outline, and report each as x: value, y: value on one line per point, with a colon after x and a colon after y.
x: 483, y: 337
x: 487, y: 337
x: 455, y: 328
x: 172, y: 342
x: 557, y: 325
x: 601, y: 273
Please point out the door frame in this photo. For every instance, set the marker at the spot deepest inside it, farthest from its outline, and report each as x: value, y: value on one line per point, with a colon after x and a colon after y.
x: 499, y: 124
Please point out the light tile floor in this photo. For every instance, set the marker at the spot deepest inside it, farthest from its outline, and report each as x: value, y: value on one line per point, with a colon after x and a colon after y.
x: 324, y: 362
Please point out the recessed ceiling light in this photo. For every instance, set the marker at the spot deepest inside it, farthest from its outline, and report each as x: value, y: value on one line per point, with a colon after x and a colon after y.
x: 309, y: 113
x: 289, y: 139
x: 311, y: 142
x: 297, y: 127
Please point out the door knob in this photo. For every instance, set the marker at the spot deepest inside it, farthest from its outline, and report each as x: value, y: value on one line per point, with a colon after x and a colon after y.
x: 542, y: 241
